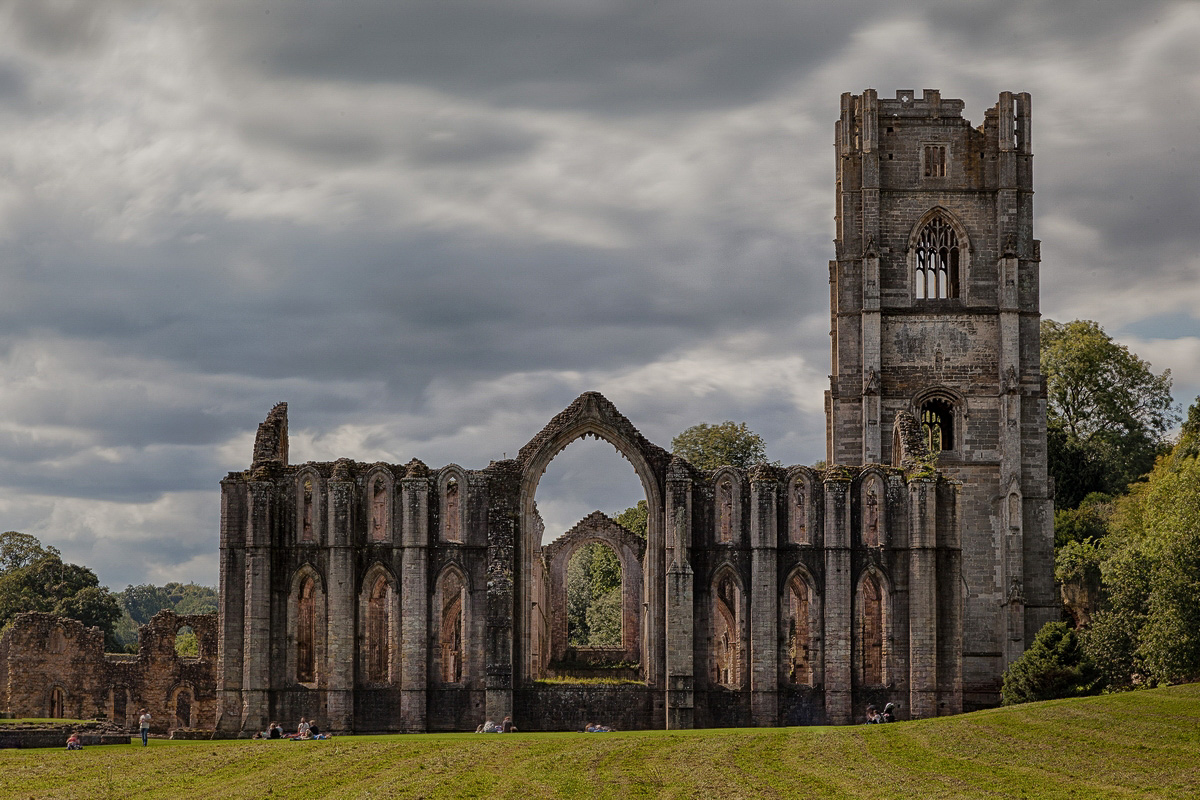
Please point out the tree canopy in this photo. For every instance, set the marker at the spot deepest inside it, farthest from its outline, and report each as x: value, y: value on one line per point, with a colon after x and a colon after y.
x: 1107, y: 412
x: 730, y: 443
x: 35, y: 578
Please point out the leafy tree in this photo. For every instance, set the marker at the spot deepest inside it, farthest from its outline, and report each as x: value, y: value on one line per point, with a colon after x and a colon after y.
x: 604, y: 620
x: 47, y: 584
x: 1107, y: 412
x: 1077, y: 569
x: 1055, y: 665
x: 143, y: 601
x: 19, y: 550
x: 1088, y: 521
x: 594, y: 597
x: 634, y: 518
x: 708, y: 447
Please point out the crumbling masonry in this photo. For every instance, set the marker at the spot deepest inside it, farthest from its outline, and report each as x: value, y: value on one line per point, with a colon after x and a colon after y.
x: 914, y: 568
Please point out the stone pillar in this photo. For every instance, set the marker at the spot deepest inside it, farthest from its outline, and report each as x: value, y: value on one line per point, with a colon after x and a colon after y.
x: 341, y: 621
x: 414, y: 598
x: 256, y: 629
x: 838, y: 601
x: 922, y: 598
x: 680, y: 608
x: 764, y: 600
x: 504, y: 481
x: 232, y: 606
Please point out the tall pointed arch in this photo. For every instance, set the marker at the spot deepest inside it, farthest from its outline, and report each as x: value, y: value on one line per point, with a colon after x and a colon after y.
x: 872, y: 504
x: 802, y: 508
x: 310, y: 507
x: 872, y: 628
x: 938, y: 257
x: 452, y: 503
x: 727, y: 507
x: 306, y: 627
x: 379, y: 500
x: 727, y: 629
x: 801, y: 625
x: 451, y: 609
x: 379, y: 627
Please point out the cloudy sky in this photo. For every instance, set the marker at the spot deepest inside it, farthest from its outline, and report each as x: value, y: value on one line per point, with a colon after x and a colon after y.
x: 428, y: 226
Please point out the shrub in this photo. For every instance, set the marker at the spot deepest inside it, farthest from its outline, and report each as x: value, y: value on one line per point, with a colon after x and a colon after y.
x: 1055, y: 665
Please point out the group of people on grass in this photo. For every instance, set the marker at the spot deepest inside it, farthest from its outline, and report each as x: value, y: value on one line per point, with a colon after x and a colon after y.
x: 306, y: 730
x: 875, y: 718
x: 506, y: 726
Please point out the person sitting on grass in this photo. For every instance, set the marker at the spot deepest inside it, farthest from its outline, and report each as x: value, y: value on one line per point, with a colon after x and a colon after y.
x: 302, y: 730
x: 274, y: 731
x: 872, y: 716
x: 73, y: 742
x: 507, y: 726
x: 889, y: 713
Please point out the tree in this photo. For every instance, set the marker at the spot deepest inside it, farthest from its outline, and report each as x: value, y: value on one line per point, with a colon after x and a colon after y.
x: 633, y: 519
x: 1107, y: 413
x: 1055, y: 665
x: 47, y: 584
x: 20, y: 550
x: 708, y: 447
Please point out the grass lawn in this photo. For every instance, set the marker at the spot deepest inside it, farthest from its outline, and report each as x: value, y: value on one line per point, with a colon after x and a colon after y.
x: 1137, y: 744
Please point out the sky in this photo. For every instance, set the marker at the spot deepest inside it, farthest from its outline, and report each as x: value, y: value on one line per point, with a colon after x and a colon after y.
x: 428, y: 226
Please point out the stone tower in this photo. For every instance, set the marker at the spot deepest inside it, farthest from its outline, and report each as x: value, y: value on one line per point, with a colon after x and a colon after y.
x: 934, y: 311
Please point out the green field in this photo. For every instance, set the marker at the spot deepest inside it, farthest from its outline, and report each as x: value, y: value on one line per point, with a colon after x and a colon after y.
x: 1137, y: 744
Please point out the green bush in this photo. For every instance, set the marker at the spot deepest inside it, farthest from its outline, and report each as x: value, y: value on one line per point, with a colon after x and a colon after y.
x: 1055, y: 665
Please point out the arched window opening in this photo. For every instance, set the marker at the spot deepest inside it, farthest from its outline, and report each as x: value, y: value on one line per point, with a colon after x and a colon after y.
x: 183, y: 709
x: 870, y: 637
x: 118, y: 702
x: 186, y: 643
x: 452, y: 524
x: 450, y: 627
x: 936, y: 275
x: 306, y: 632
x: 872, y: 501
x: 937, y: 425
x: 799, y: 636
x: 306, y: 530
x: 377, y: 650
x: 58, y: 703
x: 727, y: 640
x: 594, y: 599
x: 379, y: 509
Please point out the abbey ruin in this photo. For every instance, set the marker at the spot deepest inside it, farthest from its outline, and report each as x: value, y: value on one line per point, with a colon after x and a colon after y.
x: 913, y: 567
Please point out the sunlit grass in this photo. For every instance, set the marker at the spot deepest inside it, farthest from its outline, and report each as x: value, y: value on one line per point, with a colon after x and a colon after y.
x: 1133, y: 745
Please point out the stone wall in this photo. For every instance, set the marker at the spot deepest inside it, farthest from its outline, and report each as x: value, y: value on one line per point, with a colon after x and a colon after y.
x: 55, y: 667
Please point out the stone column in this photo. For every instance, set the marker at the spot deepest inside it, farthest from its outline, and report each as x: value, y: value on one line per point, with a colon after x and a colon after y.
x: 233, y: 605
x: 838, y: 601
x: 680, y: 608
x: 414, y: 597
x: 256, y: 649
x: 504, y: 480
x: 764, y: 599
x: 341, y: 620
x: 922, y: 598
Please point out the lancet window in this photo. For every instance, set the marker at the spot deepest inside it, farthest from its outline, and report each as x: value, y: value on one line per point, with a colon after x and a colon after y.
x: 936, y: 262
x: 306, y: 632
x: 727, y: 639
x: 937, y: 425
x: 800, y: 657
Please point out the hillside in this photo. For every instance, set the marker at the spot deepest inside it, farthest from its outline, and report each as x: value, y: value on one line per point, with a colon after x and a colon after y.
x: 1137, y: 744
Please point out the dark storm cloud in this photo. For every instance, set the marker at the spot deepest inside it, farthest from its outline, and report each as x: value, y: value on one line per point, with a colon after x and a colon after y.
x: 608, y: 57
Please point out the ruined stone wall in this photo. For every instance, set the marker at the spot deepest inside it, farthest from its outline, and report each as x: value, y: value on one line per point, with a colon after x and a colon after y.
x: 53, y: 666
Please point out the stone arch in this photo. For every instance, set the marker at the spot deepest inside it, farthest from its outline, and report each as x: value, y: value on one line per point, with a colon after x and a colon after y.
x: 306, y: 628
x: 801, y: 503
x: 591, y: 414
x: 872, y: 628
x: 945, y: 409
x: 958, y: 270
x: 379, y: 500
x: 451, y: 612
x: 801, y: 626
x: 728, y: 654
x: 56, y: 702
x: 629, y: 550
x: 179, y: 626
x: 379, y: 626
x: 310, y: 507
x: 182, y: 711
x: 452, y: 503
x: 872, y: 505
x: 727, y: 507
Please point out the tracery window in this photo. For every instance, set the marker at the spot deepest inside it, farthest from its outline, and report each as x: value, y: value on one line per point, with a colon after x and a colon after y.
x: 306, y: 530
x: 450, y: 627
x: 936, y: 275
x: 725, y: 510
x: 798, y: 514
x: 452, y: 524
x: 306, y: 632
x: 937, y: 425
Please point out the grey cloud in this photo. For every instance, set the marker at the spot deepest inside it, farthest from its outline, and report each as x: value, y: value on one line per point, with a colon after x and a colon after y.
x: 63, y: 27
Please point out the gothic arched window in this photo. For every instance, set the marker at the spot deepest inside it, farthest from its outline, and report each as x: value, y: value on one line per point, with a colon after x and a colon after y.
x: 937, y: 425
x: 306, y: 632
x: 936, y: 268
x: 378, y: 629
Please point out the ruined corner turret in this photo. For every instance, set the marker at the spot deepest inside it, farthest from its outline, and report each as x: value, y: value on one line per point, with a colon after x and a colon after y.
x: 271, y: 443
